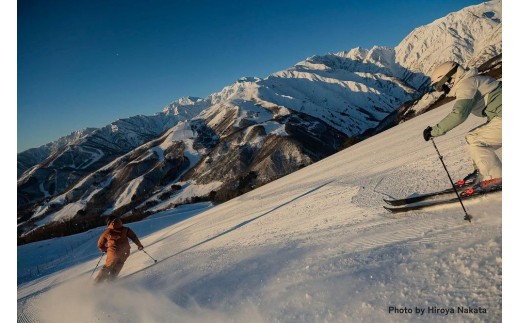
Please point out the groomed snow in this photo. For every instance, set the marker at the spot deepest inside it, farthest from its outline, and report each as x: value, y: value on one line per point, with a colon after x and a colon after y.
x: 313, y: 246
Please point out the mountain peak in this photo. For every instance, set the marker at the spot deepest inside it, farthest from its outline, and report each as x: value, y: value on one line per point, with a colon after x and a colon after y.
x: 185, y: 105
x: 356, y: 54
x: 251, y: 79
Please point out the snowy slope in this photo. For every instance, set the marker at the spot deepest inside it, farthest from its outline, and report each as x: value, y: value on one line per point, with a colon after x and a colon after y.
x: 313, y: 246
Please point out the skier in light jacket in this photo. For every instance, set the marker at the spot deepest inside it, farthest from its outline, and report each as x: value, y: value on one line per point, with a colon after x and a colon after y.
x: 482, y: 96
x: 114, y: 241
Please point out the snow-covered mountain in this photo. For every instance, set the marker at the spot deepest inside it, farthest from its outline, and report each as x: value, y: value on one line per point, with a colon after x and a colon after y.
x: 34, y: 156
x: 70, y: 158
x: 248, y: 134
x: 470, y: 36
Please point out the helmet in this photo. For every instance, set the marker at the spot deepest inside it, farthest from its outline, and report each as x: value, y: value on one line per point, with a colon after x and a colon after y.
x: 442, y: 75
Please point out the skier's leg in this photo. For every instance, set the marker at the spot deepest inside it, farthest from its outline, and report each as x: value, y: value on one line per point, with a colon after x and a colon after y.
x: 118, y: 265
x: 106, y: 271
x: 483, y: 141
x: 116, y: 269
x: 103, y: 275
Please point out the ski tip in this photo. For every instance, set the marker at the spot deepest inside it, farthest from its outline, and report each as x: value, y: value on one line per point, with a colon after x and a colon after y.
x: 388, y: 209
x: 388, y: 201
x: 398, y: 202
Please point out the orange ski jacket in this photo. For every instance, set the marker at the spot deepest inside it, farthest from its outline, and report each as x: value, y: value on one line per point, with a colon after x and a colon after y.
x: 115, y: 238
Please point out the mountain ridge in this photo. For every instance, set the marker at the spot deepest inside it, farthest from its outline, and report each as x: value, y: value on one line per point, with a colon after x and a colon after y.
x: 252, y: 131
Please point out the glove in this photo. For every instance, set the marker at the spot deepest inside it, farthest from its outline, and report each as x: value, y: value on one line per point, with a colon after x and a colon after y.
x: 140, y: 248
x: 103, y: 250
x: 427, y: 133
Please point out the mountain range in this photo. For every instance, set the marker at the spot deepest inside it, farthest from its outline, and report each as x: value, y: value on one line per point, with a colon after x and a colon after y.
x: 250, y: 133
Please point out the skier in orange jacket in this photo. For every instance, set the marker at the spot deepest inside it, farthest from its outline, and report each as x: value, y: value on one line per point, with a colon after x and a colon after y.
x: 114, y: 241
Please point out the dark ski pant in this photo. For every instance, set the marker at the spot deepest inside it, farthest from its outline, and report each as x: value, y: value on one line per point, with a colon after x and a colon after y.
x: 112, y: 267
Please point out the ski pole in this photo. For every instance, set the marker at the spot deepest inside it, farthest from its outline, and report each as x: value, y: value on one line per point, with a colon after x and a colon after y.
x: 97, y: 264
x: 467, y: 217
x: 149, y: 255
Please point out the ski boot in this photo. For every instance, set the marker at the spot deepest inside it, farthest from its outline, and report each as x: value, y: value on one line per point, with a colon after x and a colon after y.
x: 484, y: 187
x: 470, y: 178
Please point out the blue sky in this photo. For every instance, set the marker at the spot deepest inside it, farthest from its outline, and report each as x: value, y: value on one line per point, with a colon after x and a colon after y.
x: 86, y: 63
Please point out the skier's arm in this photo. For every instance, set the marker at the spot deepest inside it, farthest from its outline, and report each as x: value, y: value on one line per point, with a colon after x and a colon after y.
x: 458, y: 115
x: 101, y: 242
x: 134, y: 238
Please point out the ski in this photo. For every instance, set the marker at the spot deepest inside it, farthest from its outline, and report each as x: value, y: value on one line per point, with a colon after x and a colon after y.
x: 414, y: 207
x: 422, y: 197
